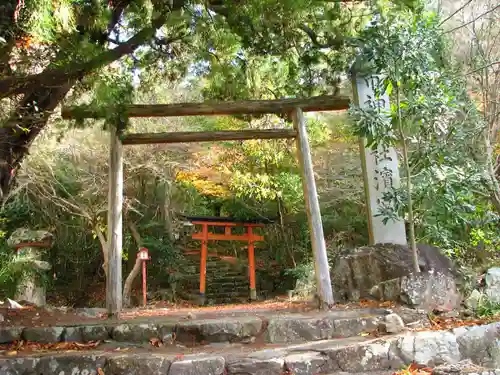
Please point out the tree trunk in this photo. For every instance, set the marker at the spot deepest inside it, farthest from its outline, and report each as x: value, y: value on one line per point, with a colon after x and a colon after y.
x: 129, y: 282
x: 104, y: 248
x: 167, y: 217
x: 42, y: 94
x: 411, y: 219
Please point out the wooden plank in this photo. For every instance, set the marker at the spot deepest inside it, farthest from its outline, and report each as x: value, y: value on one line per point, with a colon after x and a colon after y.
x: 323, y: 281
x: 115, y: 207
x: 314, y: 104
x: 228, y: 135
x: 223, y: 237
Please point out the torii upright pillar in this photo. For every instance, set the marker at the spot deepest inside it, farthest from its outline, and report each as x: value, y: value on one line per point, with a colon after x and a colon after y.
x: 115, y: 218
x: 322, y: 269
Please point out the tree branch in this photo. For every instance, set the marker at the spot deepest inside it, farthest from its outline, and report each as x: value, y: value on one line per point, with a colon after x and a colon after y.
x: 483, y: 67
x: 59, y: 76
x: 473, y: 20
x: 330, y: 42
x: 454, y: 13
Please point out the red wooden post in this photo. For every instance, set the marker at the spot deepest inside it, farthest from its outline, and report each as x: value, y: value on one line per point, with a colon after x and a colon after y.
x: 203, y: 262
x: 251, y: 264
x: 143, y: 255
x: 144, y: 297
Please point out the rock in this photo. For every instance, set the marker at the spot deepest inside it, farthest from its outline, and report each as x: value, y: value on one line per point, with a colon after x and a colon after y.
x: 198, y: 365
x: 137, y: 364
x: 72, y: 334
x: 135, y: 332
x: 459, y: 331
x: 17, y: 366
x: 454, y: 314
x: 10, y: 334
x: 354, y: 326
x: 392, y: 323
x: 14, y: 304
x: 168, y: 339
x: 461, y: 368
x: 413, y: 317
x: 167, y: 333
x: 429, y: 348
x: 365, y: 357
x: 430, y: 291
x: 294, y: 329
x: 356, y: 272
x: 91, y: 312
x: 70, y: 364
x: 43, y: 335
x: 481, y: 344
x: 216, y: 330
x: 492, y: 287
x: 308, y: 363
x: 30, y: 293
x: 248, y: 340
x: 95, y: 333
x: 389, y: 290
x: 256, y: 366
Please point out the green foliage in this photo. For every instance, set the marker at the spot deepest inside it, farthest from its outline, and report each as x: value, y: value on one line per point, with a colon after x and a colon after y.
x: 45, y: 20
x: 451, y: 205
x: 487, y: 308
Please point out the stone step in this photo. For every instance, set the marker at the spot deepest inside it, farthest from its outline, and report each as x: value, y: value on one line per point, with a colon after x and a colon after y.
x: 271, y: 328
x: 356, y: 355
x: 218, y: 278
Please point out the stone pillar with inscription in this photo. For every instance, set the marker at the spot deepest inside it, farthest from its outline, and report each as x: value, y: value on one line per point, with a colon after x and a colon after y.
x: 380, y: 168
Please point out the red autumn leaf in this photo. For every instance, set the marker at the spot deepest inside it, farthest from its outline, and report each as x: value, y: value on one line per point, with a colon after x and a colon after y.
x: 155, y: 342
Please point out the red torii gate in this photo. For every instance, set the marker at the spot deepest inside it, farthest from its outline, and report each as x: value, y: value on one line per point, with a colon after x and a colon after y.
x: 227, y: 223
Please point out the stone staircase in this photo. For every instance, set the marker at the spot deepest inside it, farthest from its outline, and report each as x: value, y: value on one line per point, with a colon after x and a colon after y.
x: 239, y: 342
x: 225, y: 282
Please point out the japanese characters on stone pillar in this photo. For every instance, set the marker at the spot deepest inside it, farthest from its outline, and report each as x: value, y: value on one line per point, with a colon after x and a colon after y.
x: 380, y: 169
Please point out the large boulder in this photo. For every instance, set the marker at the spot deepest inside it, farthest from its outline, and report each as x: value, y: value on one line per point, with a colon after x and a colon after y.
x: 430, y: 291
x: 357, y: 271
x: 492, y: 284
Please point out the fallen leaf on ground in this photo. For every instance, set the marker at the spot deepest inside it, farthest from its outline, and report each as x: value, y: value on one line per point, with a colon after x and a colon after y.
x: 155, y: 342
x: 443, y: 324
x: 17, y: 346
x: 414, y: 369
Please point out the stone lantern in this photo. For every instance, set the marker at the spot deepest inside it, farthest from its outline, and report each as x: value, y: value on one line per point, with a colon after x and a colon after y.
x: 31, y: 246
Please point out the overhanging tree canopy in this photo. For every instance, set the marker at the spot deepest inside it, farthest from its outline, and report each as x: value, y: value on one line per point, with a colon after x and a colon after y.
x: 247, y: 49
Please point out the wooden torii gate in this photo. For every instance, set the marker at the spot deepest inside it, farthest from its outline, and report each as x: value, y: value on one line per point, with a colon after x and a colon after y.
x: 295, y: 107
